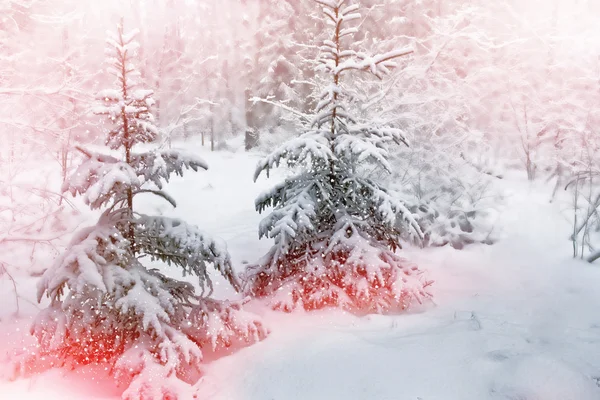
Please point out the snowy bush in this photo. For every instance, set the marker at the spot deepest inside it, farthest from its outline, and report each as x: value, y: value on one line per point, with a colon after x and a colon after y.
x: 106, y: 304
x: 453, y: 198
x: 34, y: 219
x: 579, y: 173
x: 335, y: 229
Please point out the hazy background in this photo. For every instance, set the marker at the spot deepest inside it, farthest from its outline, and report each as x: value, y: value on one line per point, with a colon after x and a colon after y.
x: 493, y: 69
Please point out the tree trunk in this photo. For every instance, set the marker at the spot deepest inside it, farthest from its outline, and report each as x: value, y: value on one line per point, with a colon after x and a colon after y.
x: 130, y: 235
x: 212, y: 129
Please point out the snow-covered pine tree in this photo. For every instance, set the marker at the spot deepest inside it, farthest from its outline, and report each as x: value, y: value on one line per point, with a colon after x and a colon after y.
x: 106, y: 305
x: 333, y: 226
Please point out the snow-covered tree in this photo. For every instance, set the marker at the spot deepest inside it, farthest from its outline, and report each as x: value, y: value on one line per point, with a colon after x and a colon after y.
x: 278, y: 61
x: 108, y: 304
x: 334, y: 227
x: 442, y: 175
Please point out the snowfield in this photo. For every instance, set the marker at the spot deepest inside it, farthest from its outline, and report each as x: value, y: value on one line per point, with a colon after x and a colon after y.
x: 519, y: 320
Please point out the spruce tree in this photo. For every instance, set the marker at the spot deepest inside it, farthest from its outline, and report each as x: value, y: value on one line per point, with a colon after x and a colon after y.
x: 335, y: 228
x: 107, y: 305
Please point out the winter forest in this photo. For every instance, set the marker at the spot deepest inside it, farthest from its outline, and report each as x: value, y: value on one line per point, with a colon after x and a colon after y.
x: 300, y: 199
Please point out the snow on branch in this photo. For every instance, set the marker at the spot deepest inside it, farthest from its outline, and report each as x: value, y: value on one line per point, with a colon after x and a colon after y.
x: 378, y: 65
x: 78, y: 268
x: 303, y: 117
x: 310, y: 147
x: 158, y: 166
x: 101, y: 178
x: 224, y: 323
x: 382, y: 132
x: 173, y: 241
x: 390, y: 207
x: 297, y: 211
x: 360, y: 150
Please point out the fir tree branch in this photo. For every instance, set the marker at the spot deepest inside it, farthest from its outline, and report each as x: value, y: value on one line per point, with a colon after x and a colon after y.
x: 158, y: 193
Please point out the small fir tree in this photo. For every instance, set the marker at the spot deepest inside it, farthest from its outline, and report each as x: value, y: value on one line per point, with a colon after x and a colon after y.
x: 335, y: 229
x: 106, y: 305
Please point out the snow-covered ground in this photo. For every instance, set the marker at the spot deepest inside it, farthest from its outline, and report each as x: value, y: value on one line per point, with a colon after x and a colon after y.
x: 518, y: 320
